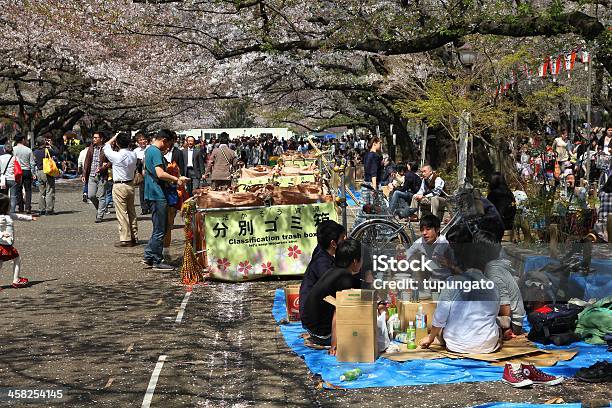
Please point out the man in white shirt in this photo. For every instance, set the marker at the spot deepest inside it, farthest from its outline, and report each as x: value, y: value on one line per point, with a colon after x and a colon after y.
x: 80, y: 169
x: 124, y: 168
x: 431, y: 192
x: 434, y: 247
x: 143, y: 143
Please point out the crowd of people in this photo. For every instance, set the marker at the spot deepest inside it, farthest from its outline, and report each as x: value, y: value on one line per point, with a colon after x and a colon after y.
x: 166, y: 170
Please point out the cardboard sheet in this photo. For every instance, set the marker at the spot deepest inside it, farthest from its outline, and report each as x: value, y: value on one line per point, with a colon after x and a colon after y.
x: 540, y: 359
x: 518, y: 346
x: 433, y: 353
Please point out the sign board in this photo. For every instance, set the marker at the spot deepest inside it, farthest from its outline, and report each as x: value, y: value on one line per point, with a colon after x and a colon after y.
x: 250, y: 244
x: 285, y: 181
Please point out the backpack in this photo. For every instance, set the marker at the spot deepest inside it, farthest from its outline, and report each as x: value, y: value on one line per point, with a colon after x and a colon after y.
x: 556, y: 326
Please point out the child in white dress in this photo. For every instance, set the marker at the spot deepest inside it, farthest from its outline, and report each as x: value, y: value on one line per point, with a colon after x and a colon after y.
x: 7, y: 251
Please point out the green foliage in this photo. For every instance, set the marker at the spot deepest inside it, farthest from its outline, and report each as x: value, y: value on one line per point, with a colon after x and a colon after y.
x: 236, y: 114
x: 74, y: 150
x: 524, y: 9
x: 556, y: 8
x: 445, y: 101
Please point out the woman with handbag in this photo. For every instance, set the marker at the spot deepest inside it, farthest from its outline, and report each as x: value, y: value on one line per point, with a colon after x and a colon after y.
x: 8, y: 185
x: 46, y: 182
x: 223, y: 161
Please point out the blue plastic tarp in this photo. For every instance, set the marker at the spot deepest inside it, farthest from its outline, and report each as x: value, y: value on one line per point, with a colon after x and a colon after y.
x: 525, y: 405
x: 595, y: 285
x: 387, y: 373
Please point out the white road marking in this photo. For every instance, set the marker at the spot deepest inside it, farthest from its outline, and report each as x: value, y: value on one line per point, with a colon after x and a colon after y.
x: 179, y: 316
x: 146, y: 402
x: 109, y: 382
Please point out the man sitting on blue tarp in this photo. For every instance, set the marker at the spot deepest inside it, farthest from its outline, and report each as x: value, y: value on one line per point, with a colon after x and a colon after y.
x: 433, y: 246
x: 318, y: 316
x: 329, y: 235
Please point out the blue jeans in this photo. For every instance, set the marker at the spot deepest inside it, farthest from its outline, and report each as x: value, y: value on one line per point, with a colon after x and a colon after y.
x: 97, y: 190
x: 159, y: 216
x: 109, y: 193
x: 13, y: 189
x: 395, y: 197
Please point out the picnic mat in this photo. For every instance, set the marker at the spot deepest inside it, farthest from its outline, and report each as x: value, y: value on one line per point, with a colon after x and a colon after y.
x: 526, y: 405
x: 388, y: 373
x: 595, y: 285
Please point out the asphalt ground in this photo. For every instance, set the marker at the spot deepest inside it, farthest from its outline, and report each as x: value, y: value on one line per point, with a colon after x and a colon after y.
x: 95, y: 324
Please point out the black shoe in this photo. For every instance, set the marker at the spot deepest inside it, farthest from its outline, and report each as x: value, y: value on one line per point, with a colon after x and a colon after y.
x: 85, y: 198
x: 98, y: 220
x: 163, y: 267
x: 50, y: 212
x: 599, y: 372
x: 147, y: 264
x: 124, y: 244
x: 43, y: 212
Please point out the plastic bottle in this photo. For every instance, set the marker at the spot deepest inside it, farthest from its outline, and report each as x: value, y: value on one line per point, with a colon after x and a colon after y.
x: 351, y: 375
x: 420, y: 323
x: 411, y: 336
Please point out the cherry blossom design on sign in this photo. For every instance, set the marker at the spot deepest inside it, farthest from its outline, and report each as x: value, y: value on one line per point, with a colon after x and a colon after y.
x: 244, y: 268
x: 267, y: 268
x: 223, y: 264
x: 294, y: 252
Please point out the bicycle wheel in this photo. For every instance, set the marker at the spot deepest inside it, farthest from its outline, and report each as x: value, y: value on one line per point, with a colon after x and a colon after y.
x: 381, y: 234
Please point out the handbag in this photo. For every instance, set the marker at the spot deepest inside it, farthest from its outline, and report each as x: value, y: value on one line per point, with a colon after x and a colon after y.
x: 171, y: 194
x: 49, y: 166
x: 556, y: 326
x: 3, y: 186
x: 138, y: 178
x: 17, y: 170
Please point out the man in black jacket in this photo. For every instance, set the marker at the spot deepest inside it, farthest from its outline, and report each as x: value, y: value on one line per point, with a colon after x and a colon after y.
x: 194, y: 164
x: 412, y: 182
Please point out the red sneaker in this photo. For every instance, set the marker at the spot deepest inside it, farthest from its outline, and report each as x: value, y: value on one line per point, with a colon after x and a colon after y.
x: 513, y: 375
x: 540, y: 377
x: 21, y: 283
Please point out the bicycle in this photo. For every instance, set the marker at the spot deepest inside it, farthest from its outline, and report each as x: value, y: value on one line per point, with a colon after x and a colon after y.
x: 377, y: 228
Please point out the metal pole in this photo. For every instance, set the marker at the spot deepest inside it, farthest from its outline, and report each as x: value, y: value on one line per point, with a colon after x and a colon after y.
x: 589, y: 90
x: 423, y: 144
x: 343, y: 193
x: 463, y: 149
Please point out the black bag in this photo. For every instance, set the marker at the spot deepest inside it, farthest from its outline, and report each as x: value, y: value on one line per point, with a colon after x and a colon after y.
x: 555, y: 327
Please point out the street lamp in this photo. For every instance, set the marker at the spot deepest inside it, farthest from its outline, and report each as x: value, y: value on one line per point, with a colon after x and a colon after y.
x: 467, y: 57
